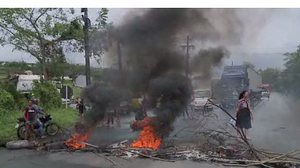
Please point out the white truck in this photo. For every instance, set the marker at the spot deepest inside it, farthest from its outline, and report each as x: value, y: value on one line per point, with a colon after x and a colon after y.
x: 201, y: 93
x: 200, y: 98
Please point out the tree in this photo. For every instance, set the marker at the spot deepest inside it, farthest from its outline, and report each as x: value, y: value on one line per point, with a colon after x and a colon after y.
x: 39, y: 32
x: 6, y: 101
x: 100, y: 35
x: 249, y: 65
x: 291, y: 73
x: 271, y: 76
x: 47, y: 94
x: 46, y: 33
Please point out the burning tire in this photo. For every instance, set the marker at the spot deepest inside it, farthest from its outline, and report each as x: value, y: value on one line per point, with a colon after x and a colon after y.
x: 140, y: 124
x: 52, y: 129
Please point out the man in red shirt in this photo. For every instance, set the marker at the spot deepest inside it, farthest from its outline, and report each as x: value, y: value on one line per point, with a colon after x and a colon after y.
x: 31, y: 118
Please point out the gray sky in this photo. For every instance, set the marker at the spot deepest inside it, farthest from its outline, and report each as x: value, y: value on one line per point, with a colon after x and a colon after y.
x: 269, y: 34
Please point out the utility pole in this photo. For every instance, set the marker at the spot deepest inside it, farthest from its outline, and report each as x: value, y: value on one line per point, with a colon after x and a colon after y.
x: 187, y: 46
x: 86, y: 26
x: 120, y: 56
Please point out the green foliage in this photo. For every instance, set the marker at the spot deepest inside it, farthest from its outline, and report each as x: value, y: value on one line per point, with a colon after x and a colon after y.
x: 19, y: 99
x: 63, y: 117
x: 272, y: 76
x: 6, y: 101
x: 16, y: 67
x: 45, y: 33
x: 7, y: 125
x: 249, y: 65
x: 102, y: 17
x: 287, y: 80
x: 40, y: 32
x: 291, y: 74
x: 47, y: 94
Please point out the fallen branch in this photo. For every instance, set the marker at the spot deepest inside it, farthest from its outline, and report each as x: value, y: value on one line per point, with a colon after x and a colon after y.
x: 271, y: 154
x: 148, y: 156
x: 277, y: 157
x: 90, y: 145
x: 244, y: 138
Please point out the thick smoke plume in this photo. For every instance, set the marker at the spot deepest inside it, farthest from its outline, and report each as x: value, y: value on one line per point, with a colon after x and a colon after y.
x: 173, y: 92
x: 102, y: 98
x: 206, y: 59
x: 151, y: 51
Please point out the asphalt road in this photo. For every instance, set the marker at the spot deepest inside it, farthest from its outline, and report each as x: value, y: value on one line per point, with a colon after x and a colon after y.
x: 275, y: 127
x: 33, y: 159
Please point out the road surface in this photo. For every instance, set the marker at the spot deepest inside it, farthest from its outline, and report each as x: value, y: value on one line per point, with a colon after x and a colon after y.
x: 275, y: 127
x: 33, y: 159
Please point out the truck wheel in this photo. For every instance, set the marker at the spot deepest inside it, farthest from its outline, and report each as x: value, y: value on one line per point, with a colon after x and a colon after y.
x: 21, y: 132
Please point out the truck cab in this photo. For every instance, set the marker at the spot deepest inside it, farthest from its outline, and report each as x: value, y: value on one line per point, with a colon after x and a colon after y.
x: 234, y: 80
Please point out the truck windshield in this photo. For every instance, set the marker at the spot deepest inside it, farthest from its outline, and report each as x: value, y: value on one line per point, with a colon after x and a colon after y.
x: 233, y: 83
x: 202, y: 94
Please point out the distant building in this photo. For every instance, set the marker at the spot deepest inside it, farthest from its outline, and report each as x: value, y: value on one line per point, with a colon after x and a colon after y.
x: 25, y: 82
x: 28, y: 72
x: 67, y: 78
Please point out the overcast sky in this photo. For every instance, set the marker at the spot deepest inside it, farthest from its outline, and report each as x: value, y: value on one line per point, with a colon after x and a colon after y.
x: 278, y: 33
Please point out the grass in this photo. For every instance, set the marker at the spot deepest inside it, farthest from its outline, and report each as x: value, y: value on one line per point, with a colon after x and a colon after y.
x: 64, y: 117
x: 8, y: 121
x: 76, y: 90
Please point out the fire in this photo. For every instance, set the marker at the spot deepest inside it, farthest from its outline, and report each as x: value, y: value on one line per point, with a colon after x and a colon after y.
x: 147, y: 139
x: 77, y: 141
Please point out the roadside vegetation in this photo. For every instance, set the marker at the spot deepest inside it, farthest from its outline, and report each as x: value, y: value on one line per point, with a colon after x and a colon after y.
x: 63, y: 34
x: 12, y: 104
x: 64, y: 117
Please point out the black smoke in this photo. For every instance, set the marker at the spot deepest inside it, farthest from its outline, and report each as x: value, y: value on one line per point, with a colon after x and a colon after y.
x: 155, y: 65
x: 206, y: 59
x: 101, y: 98
x: 169, y: 94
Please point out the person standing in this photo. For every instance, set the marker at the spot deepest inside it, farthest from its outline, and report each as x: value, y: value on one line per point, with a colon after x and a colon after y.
x: 80, y: 107
x: 244, y: 114
x: 110, y: 114
x: 144, y: 106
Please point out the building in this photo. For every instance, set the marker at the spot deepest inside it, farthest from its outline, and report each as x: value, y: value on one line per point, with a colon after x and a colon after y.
x: 25, y: 82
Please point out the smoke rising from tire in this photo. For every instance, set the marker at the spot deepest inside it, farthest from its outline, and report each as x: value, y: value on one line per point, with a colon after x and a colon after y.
x: 155, y: 63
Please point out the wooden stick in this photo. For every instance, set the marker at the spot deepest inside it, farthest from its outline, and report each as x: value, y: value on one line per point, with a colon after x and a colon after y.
x: 277, y: 157
x: 148, y: 156
x: 244, y: 138
x: 118, y: 143
x: 237, y: 162
x: 268, y: 153
x: 88, y: 144
x: 234, y: 165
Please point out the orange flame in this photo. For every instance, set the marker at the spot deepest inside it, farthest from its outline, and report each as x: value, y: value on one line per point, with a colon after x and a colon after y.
x: 147, y: 139
x: 77, y: 141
